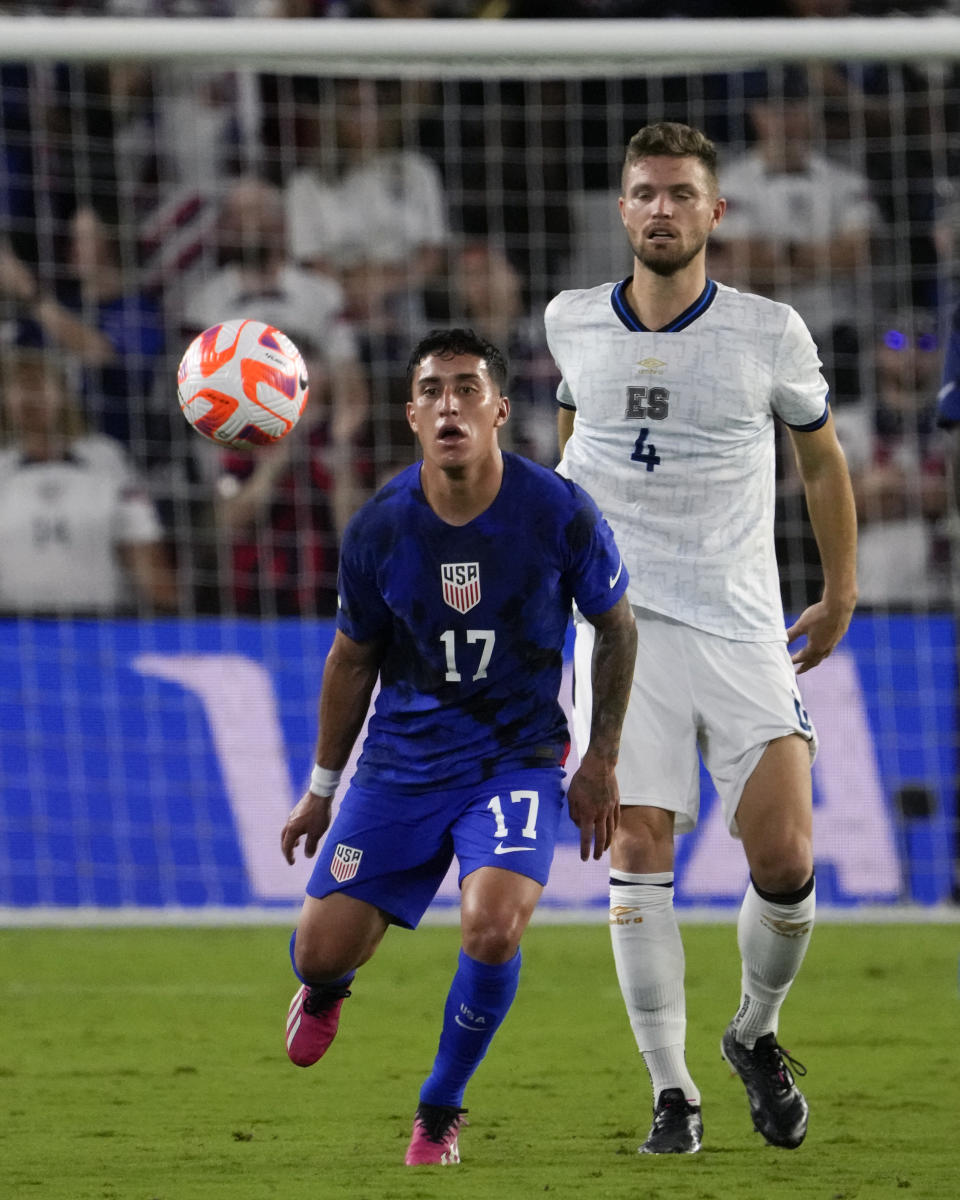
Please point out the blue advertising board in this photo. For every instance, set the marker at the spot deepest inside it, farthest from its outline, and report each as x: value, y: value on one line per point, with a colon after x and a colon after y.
x: 152, y: 764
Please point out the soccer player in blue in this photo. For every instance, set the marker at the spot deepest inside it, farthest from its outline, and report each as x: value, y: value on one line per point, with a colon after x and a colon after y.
x: 948, y: 416
x: 948, y: 398
x: 456, y: 585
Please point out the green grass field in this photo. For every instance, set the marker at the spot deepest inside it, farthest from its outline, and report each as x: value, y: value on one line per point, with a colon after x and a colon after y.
x: 148, y: 1063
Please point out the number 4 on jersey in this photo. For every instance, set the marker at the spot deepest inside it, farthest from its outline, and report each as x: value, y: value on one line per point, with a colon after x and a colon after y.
x: 644, y: 451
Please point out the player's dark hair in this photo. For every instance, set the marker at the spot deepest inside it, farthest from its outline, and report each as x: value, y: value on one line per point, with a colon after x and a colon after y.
x: 448, y: 343
x: 670, y: 139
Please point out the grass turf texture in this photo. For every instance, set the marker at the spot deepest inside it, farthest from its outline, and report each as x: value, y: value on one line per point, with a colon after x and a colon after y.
x: 148, y: 1064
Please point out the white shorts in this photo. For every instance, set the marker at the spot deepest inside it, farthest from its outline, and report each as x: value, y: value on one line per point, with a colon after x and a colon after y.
x: 694, y: 691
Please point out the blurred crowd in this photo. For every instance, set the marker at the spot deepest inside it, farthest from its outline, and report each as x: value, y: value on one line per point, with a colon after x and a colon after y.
x: 140, y: 204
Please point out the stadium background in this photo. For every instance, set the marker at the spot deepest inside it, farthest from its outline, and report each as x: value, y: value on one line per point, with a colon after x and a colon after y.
x: 146, y: 764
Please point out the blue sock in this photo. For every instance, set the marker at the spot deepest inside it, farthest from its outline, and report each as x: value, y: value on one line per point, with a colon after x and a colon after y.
x: 343, y: 981
x: 479, y: 998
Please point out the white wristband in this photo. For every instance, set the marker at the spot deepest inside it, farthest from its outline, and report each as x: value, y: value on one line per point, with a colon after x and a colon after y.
x: 324, y: 782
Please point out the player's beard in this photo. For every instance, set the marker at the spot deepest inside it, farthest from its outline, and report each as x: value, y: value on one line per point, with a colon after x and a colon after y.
x: 661, y: 265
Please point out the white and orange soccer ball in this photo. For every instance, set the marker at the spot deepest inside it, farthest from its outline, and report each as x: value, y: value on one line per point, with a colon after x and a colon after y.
x: 242, y: 384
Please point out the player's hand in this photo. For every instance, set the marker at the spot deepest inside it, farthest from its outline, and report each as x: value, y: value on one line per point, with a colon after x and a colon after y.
x: 311, y: 817
x: 594, y: 802
x: 824, y: 625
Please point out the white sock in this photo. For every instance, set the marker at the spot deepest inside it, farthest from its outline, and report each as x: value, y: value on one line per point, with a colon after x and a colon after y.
x: 773, y: 939
x: 648, y: 954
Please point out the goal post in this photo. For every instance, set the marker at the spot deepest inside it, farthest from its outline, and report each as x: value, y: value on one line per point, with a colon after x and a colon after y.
x: 434, y: 172
x: 579, y: 47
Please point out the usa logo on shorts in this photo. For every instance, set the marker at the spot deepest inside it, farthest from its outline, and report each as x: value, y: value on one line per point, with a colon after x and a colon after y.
x: 346, y: 860
x: 461, y: 585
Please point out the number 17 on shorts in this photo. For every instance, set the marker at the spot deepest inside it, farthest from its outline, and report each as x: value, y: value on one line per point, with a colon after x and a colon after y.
x: 512, y: 825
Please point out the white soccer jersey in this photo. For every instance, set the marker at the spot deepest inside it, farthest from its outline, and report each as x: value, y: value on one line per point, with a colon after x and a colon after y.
x: 814, y: 205
x: 674, y: 439
x: 383, y: 210
x: 61, y: 523
x: 306, y: 306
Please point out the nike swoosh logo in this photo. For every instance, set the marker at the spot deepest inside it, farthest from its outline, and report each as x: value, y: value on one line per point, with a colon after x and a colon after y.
x: 500, y: 848
x: 614, y: 578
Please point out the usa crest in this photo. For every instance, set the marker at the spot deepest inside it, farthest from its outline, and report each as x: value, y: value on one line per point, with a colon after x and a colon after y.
x: 461, y: 585
x: 346, y: 860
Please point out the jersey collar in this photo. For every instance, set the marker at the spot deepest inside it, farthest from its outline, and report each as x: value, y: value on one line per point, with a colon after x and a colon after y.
x: 621, y: 306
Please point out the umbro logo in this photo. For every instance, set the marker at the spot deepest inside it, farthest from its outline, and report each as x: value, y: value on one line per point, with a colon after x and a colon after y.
x: 789, y: 929
x: 625, y: 914
x: 654, y: 366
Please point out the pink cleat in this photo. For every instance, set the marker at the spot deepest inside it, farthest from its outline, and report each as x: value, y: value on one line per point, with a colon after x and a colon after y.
x: 312, y: 1022
x: 435, y: 1131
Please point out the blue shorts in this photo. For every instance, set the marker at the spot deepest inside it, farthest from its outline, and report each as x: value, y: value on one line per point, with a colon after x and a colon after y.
x: 394, y: 851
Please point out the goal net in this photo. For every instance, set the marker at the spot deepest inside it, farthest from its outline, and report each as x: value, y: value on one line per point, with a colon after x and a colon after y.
x: 357, y: 183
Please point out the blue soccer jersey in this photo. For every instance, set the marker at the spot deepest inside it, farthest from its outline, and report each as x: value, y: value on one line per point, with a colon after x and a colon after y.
x: 473, y: 619
x: 948, y: 407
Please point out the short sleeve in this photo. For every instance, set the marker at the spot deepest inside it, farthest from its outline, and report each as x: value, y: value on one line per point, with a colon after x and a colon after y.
x: 552, y: 327
x: 135, y: 518
x: 598, y: 577
x: 948, y: 399
x: 855, y: 210
x: 430, y: 202
x: 311, y: 218
x: 800, y: 390
x: 362, y: 612
x: 340, y: 344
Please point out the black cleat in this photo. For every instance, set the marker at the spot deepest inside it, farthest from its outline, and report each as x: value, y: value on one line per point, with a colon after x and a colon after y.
x: 777, y: 1105
x: 677, y: 1125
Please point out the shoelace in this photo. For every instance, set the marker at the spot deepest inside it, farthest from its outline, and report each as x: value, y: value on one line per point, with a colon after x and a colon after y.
x: 662, y: 1116
x: 781, y: 1064
x: 440, y: 1123
x: 667, y: 1108
x: 317, y: 1000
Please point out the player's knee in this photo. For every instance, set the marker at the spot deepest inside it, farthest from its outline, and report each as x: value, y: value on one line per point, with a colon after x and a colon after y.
x: 319, y: 961
x: 318, y: 968
x: 783, y: 869
x: 492, y: 942
x: 643, y: 841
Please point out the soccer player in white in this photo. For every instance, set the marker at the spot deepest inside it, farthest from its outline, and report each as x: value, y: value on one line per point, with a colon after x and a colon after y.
x: 671, y: 384
x: 78, y: 533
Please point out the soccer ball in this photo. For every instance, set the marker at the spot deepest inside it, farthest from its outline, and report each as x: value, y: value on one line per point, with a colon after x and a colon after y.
x: 242, y: 384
